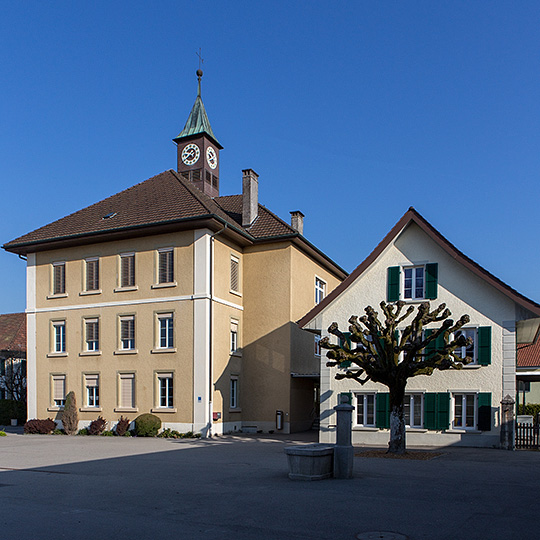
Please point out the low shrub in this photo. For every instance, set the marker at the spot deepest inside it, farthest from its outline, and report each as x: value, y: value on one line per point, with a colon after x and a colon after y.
x: 147, y: 425
x: 122, y: 426
x: 108, y: 433
x: 127, y: 434
x: 532, y: 408
x: 83, y: 431
x: 97, y: 426
x: 3, y: 434
x: 59, y: 432
x: 169, y: 433
x: 40, y: 427
x: 9, y: 409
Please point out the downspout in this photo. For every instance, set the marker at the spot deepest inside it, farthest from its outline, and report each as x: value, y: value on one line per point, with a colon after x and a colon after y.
x: 211, y: 325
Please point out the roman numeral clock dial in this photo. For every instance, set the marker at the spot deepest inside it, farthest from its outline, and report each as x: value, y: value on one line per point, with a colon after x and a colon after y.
x: 190, y: 154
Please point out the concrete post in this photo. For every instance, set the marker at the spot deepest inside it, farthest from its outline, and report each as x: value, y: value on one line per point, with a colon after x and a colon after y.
x: 343, y: 451
x: 508, y: 437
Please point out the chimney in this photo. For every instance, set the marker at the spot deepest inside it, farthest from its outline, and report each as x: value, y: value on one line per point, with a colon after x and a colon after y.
x: 250, y: 196
x: 297, y: 221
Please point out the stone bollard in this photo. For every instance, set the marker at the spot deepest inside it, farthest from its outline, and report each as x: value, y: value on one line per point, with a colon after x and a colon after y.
x: 343, y: 451
x: 508, y: 437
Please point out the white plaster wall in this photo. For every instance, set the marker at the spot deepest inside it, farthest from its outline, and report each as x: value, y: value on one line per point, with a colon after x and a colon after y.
x: 464, y: 293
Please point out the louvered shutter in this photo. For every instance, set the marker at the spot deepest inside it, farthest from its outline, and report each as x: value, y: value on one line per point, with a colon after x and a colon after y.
x: 392, y: 290
x: 92, y: 275
x: 127, y: 270
x: 166, y: 267
x: 430, y: 411
x: 127, y: 393
x: 443, y: 410
x: 484, y: 345
x: 484, y: 411
x: 235, y: 274
x: 432, y: 276
x: 59, y: 277
x: 383, y: 410
x: 59, y: 387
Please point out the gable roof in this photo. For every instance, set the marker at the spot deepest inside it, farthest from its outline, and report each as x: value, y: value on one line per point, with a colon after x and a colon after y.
x: 412, y: 216
x: 13, y: 332
x: 163, y: 203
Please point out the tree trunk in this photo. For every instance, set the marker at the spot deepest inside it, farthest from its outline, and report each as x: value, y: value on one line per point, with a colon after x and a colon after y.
x: 397, y: 420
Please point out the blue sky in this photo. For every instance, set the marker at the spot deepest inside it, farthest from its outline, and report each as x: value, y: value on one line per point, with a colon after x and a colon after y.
x: 349, y: 111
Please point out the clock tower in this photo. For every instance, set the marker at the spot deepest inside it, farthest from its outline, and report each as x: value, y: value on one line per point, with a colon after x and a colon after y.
x: 198, y: 149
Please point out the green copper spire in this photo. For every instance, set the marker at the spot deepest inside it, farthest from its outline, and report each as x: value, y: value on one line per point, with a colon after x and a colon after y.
x: 197, y: 122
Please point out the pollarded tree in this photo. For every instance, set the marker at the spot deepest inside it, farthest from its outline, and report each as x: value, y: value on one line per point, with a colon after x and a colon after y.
x: 389, y: 354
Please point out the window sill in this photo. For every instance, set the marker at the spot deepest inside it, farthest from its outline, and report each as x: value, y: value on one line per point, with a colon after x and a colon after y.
x: 60, y: 295
x: 160, y: 351
x: 362, y: 428
x: 472, y: 366
x: 126, y: 351
x: 90, y: 353
x: 235, y: 410
x: 126, y: 409
x: 163, y: 285
x: 126, y: 289
x: 57, y: 355
x: 89, y: 293
x: 236, y: 293
x: 236, y: 353
x: 55, y: 409
x: 475, y: 431
x: 90, y: 409
x: 415, y: 430
x: 163, y: 410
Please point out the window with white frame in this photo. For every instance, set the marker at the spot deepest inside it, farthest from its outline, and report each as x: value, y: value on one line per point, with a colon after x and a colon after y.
x: 317, y: 344
x: 365, y: 410
x: 235, y: 274
x: 127, y: 332
x: 59, y: 390
x: 127, y: 270
x: 413, y: 410
x: 59, y: 278
x: 468, y: 350
x: 166, y: 265
x: 320, y: 290
x: 166, y: 330
x: 92, y: 334
x: 464, y: 411
x: 234, y: 393
x: 91, y: 384
x: 92, y: 274
x: 127, y: 390
x: 413, y: 282
x: 234, y: 336
x: 59, y: 336
x: 165, y: 383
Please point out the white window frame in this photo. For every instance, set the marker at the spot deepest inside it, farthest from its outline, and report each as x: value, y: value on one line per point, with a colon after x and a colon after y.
x: 169, y: 269
x: 465, y: 396
x: 57, y: 401
x: 317, y: 344
x: 320, y: 290
x: 88, y: 286
x: 165, y: 330
x: 414, y: 399
x: 91, y: 345
x: 165, y: 387
x: 235, y: 275
x: 413, y: 269
x: 91, y: 390
x: 234, y: 337
x: 365, y: 397
x: 462, y: 351
x: 233, y: 392
x: 128, y: 343
x: 55, y: 267
x: 59, y: 337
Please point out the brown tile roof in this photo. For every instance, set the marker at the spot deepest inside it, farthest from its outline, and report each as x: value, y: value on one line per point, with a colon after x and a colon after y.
x: 13, y: 332
x: 412, y: 216
x: 528, y: 355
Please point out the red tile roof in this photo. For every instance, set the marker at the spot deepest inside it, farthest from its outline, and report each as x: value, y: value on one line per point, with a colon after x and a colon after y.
x: 528, y: 355
x: 13, y: 332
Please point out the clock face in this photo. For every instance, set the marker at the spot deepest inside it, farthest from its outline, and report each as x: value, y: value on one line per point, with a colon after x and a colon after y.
x: 211, y: 157
x: 190, y: 154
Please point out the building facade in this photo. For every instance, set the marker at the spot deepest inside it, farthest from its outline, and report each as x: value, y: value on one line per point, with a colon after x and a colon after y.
x: 170, y: 299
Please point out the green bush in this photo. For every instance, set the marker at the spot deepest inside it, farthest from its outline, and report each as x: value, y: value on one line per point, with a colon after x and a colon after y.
x: 83, y: 431
x: 173, y: 434
x: 3, y: 434
x: 147, y: 425
x: 9, y: 409
x: 59, y: 432
x: 108, y: 433
x: 70, y: 415
x: 532, y: 408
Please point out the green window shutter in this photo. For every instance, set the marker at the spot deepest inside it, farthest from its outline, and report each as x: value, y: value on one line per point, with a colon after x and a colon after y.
x: 347, y: 340
x: 484, y: 411
x: 383, y: 411
x: 392, y: 290
x: 430, y: 347
x: 430, y: 411
x: 432, y: 277
x: 484, y: 345
x: 443, y: 410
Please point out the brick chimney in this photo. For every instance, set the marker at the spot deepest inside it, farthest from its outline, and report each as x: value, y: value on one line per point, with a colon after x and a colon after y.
x: 297, y: 221
x: 250, y: 196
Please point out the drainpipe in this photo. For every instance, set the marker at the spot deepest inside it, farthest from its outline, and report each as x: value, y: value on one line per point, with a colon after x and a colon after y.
x: 211, y: 332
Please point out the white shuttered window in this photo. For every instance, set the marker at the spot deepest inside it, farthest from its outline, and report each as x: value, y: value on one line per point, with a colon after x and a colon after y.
x: 59, y: 390
x: 127, y: 270
x: 127, y: 390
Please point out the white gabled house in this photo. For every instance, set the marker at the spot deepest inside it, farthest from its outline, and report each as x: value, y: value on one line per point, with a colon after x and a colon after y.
x: 415, y: 263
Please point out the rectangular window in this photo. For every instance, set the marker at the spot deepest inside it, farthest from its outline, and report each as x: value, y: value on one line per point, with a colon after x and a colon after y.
x: 464, y: 411
x: 166, y: 330
x: 165, y: 381
x: 127, y: 332
x: 127, y: 390
x: 234, y: 336
x: 92, y: 334
x: 165, y: 266
x: 92, y: 274
x: 59, y: 390
x: 320, y: 290
x: 234, y: 393
x: 235, y: 274
x: 91, y: 383
x: 317, y: 345
x: 59, y: 278
x: 471, y: 350
x: 365, y: 410
x: 127, y: 270
x: 413, y: 283
x: 412, y: 410
x: 59, y: 335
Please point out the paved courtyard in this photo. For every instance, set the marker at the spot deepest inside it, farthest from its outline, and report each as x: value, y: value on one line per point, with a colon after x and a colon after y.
x: 236, y: 487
